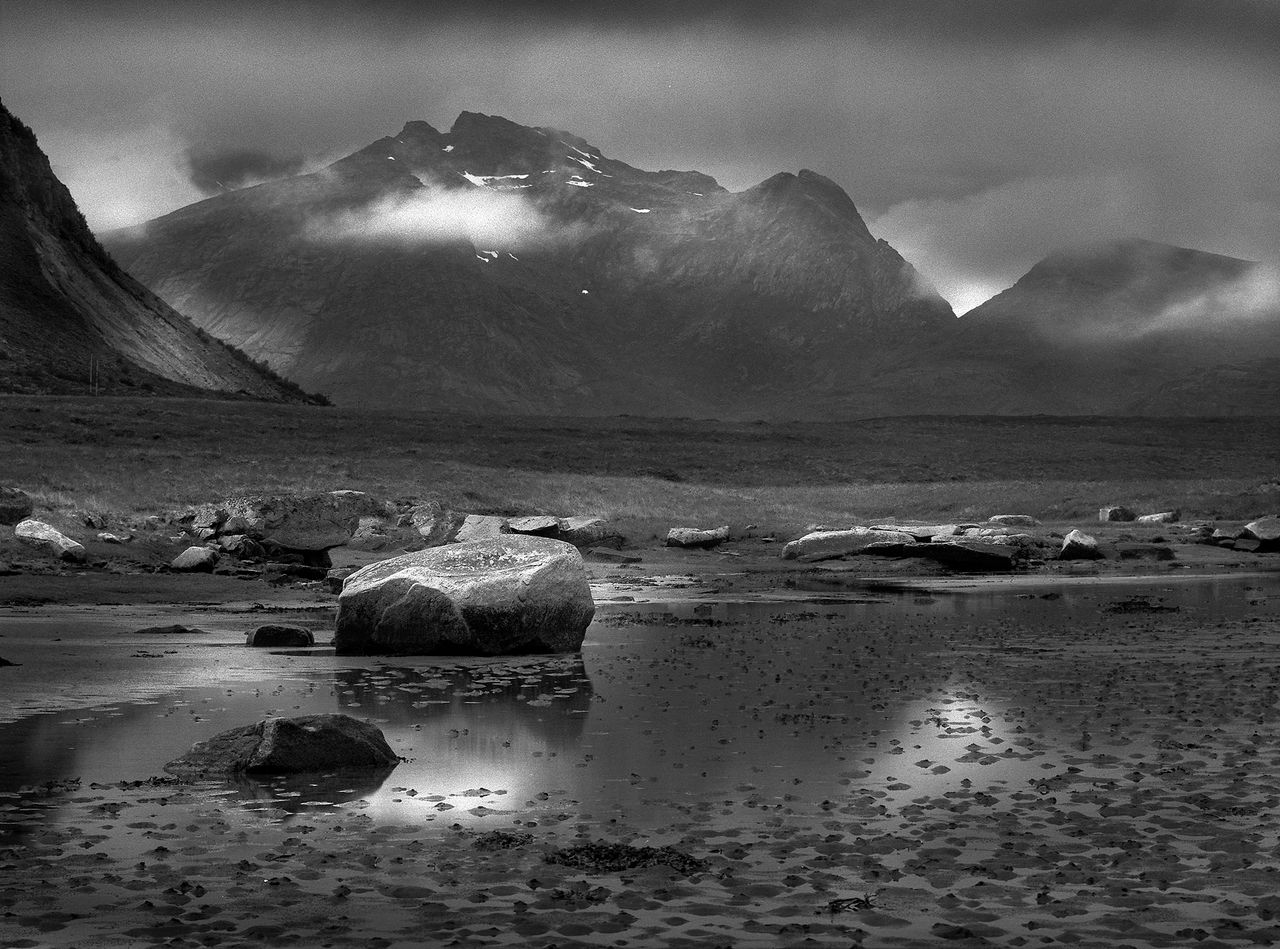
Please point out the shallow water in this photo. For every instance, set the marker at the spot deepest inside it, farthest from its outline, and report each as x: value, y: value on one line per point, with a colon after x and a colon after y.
x: 881, y: 731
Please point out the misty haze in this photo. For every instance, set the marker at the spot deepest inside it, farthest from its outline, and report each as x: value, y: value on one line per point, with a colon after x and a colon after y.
x: 671, y: 474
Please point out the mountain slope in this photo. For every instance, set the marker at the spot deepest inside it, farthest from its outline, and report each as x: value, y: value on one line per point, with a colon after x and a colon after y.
x: 69, y: 316
x: 499, y: 267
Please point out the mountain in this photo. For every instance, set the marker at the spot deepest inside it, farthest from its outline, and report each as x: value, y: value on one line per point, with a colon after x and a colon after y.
x: 1133, y: 327
x: 496, y: 267
x: 70, y: 318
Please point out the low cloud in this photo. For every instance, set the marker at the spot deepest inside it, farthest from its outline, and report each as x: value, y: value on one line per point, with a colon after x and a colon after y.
x: 490, y: 219
x: 214, y: 171
x: 1255, y: 296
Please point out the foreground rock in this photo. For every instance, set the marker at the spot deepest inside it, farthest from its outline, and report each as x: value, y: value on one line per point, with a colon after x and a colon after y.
x: 695, y: 537
x: 508, y: 594
x: 273, y: 635
x: 15, y: 505
x: 195, y: 560
x: 828, y: 545
x: 49, y: 540
x: 1266, y: 531
x: 301, y: 745
x: 1078, y: 545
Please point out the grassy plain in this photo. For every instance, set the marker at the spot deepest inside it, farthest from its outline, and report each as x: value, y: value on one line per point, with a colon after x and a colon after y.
x: 141, y: 456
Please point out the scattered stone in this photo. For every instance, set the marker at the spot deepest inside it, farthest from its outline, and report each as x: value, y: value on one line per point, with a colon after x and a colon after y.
x: 92, y: 519
x: 288, y: 746
x: 272, y: 635
x: 480, y: 527
x: 1013, y: 520
x: 174, y: 629
x: 1266, y: 531
x: 508, y: 594
x: 1079, y: 546
x: 49, y: 540
x: 828, y: 545
x: 15, y: 505
x: 195, y: 560
x: 695, y: 537
x: 1116, y: 513
x: 1164, y: 517
x: 109, y: 538
x: 538, y: 525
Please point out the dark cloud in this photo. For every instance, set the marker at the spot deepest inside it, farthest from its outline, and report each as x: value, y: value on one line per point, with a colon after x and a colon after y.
x: 217, y: 170
x: 976, y: 136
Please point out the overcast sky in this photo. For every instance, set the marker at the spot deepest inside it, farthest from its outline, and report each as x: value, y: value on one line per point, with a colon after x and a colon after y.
x: 974, y: 136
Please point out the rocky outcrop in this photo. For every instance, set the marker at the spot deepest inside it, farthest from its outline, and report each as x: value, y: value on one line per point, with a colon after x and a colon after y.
x: 579, y: 531
x: 49, y: 540
x: 277, y: 636
x: 922, y: 532
x: 195, y: 560
x: 697, y: 537
x: 829, y: 545
x: 506, y: 594
x: 310, y: 743
x: 299, y: 521
x: 1116, y: 512
x: 1078, y: 545
x: 15, y: 505
x: 971, y: 555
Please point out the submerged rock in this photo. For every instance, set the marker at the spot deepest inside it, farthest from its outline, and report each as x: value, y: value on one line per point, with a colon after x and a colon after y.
x: 508, y: 594
x: 696, y: 537
x: 273, y: 635
x: 15, y: 505
x: 1078, y: 545
x: 50, y: 540
x: 828, y: 545
x: 288, y: 746
x: 195, y: 560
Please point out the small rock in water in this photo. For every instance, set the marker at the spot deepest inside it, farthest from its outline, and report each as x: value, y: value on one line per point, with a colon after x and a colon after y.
x: 289, y: 746
x: 273, y: 635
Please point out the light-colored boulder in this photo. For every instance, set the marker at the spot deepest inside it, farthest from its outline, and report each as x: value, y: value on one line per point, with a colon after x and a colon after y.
x: 1013, y: 520
x: 507, y: 594
x: 109, y: 538
x: 1266, y: 531
x: 302, y: 745
x: 15, y: 505
x: 539, y: 525
x: 1115, y: 512
x: 697, y: 537
x: 195, y: 560
x: 1078, y: 545
x: 920, y: 532
x: 480, y: 527
x: 49, y: 540
x: 828, y: 545
x: 1164, y: 517
x: 301, y: 521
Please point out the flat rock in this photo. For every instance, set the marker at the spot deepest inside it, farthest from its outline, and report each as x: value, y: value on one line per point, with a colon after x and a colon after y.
x: 1163, y: 517
x: 919, y: 531
x: 1078, y: 545
x: 277, y: 635
x: 49, y: 540
x: 972, y: 555
x: 1116, y: 512
x: 174, y: 629
x: 828, y: 545
x: 195, y: 560
x: 697, y: 537
x: 15, y: 505
x: 539, y: 525
x: 300, y: 745
x: 1013, y: 520
x: 507, y: 594
x: 480, y: 527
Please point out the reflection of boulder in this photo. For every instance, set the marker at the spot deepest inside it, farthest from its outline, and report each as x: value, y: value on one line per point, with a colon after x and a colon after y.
x: 545, y: 696
x: 300, y: 792
x: 309, y: 743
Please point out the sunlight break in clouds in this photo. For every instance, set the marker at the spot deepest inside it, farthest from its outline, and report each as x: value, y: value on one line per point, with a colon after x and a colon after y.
x: 434, y: 215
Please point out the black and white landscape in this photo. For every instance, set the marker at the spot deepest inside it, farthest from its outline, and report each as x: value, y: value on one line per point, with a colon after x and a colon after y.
x: 666, y: 474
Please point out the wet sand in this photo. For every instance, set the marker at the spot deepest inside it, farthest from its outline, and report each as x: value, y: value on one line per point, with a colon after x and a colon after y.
x: 881, y: 760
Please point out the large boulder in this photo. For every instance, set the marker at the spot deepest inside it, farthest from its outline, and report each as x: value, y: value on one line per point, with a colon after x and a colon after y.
x: 300, y: 521
x: 697, y: 537
x: 310, y: 743
x: 1013, y: 520
x: 49, y: 540
x: 1078, y: 545
x: 1266, y: 531
x: 1115, y: 512
x: 588, y: 532
x: 507, y: 594
x: 195, y: 560
x: 828, y: 545
x: 277, y: 635
x: 480, y: 527
x: 15, y: 505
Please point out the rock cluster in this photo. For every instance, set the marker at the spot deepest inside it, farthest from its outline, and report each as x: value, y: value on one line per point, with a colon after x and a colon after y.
x: 960, y: 546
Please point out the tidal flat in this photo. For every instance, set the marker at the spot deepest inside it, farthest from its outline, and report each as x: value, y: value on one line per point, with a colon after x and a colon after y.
x: 1092, y: 764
